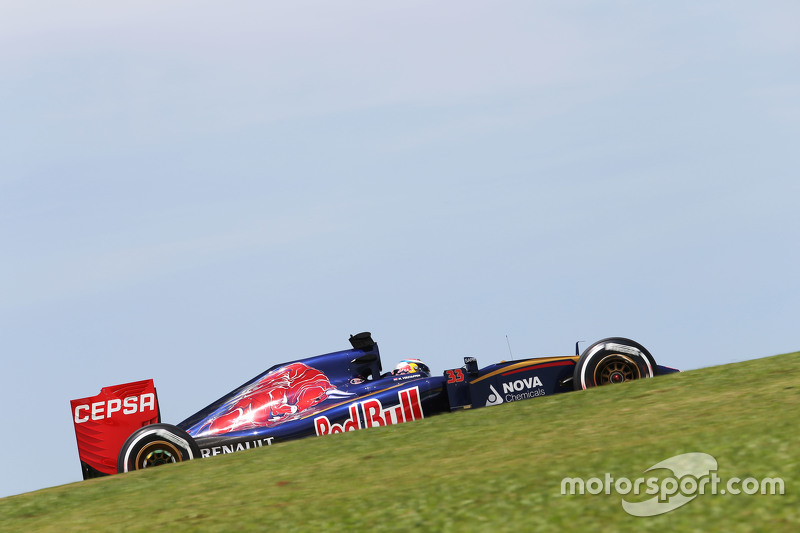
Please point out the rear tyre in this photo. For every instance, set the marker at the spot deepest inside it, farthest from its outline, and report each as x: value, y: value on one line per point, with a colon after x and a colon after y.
x: 155, y: 445
x: 613, y: 360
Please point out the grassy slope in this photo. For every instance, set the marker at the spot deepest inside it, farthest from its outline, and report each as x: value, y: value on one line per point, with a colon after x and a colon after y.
x: 497, y: 469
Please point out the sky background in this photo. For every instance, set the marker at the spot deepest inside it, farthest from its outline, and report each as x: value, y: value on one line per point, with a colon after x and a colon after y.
x: 193, y: 192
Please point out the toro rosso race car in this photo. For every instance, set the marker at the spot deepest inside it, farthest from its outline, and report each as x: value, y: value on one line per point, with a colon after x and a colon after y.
x: 120, y: 429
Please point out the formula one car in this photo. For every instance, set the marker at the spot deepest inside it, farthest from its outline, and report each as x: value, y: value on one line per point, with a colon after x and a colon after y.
x: 120, y: 429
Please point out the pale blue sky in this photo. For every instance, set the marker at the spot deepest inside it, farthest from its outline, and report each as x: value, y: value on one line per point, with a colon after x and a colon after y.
x: 193, y: 192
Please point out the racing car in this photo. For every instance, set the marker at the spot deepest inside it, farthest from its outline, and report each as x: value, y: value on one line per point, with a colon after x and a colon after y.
x: 120, y: 429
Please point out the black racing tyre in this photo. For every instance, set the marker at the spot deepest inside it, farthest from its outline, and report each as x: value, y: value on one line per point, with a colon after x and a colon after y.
x: 155, y: 445
x: 613, y: 360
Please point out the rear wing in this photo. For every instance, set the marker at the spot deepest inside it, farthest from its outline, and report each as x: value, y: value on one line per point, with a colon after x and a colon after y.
x: 104, y: 422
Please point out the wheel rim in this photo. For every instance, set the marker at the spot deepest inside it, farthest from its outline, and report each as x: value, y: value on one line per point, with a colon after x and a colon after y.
x: 157, y: 453
x: 616, y: 368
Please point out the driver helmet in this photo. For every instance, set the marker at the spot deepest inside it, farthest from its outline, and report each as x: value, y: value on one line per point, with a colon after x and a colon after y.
x: 411, y: 366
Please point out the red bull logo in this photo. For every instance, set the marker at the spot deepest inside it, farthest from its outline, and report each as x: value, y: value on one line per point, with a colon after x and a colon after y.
x: 373, y: 414
x: 281, y: 395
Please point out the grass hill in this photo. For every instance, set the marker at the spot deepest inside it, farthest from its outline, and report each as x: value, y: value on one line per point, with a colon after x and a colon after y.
x: 494, y: 469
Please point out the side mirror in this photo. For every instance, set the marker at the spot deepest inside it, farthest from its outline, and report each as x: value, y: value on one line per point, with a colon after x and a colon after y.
x: 471, y: 365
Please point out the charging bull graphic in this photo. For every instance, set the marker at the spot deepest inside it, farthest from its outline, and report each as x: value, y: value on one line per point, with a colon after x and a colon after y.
x: 282, y: 395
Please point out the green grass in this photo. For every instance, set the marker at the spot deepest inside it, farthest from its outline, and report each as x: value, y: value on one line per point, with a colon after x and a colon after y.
x: 497, y: 469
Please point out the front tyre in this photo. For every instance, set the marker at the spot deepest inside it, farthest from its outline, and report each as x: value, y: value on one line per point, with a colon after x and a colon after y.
x: 613, y: 360
x: 155, y: 445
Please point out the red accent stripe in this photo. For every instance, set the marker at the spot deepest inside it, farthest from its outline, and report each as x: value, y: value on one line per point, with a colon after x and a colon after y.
x: 557, y: 363
x: 416, y: 408
x: 405, y: 400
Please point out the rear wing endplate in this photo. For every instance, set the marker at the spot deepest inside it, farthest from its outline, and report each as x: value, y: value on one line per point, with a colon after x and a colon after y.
x: 103, y: 423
